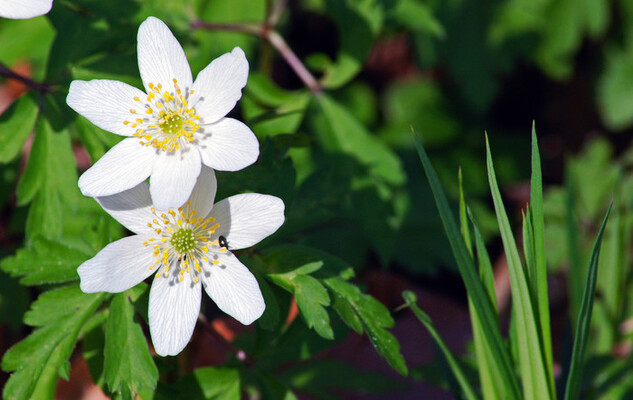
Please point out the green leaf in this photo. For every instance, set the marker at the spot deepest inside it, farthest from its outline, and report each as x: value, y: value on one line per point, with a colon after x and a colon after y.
x: 535, y: 374
x: 128, y: 365
x: 45, y: 261
x: 464, y: 384
x: 417, y: 16
x: 271, y: 110
x: 375, y: 319
x: 311, y: 299
x: 476, y: 291
x: 311, y: 296
x: 325, y: 378
x: 572, y: 388
x: 37, y: 360
x: 341, y: 132
x: 35, y: 171
x: 539, y: 283
x: 219, y: 383
x: 614, y: 89
x: 358, y: 23
x: 16, y: 124
x: 492, y: 386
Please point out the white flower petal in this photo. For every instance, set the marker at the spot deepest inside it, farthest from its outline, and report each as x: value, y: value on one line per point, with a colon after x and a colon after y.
x: 245, y: 219
x: 173, y: 311
x: 228, y: 145
x: 132, y: 208
x: 204, y: 192
x: 173, y: 178
x: 161, y: 58
x: 105, y: 103
x: 124, y: 166
x: 234, y: 289
x: 219, y: 86
x: 118, y: 267
x: 21, y: 9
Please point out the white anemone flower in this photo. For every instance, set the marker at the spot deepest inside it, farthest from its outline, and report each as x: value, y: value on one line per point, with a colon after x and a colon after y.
x: 186, y: 249
x: 173, y: 127
x: 23, y: 9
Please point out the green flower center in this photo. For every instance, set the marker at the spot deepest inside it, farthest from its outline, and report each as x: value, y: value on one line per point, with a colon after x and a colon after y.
x: 183, y: 240
x: 171, y: 124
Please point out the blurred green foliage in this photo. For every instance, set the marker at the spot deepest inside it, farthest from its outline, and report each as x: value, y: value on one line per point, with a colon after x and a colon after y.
x: 341, y: 157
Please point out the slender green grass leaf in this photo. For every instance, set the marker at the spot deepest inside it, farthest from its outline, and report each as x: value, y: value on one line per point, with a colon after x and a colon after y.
x: 539, y: 283
x: 572, y: 389
x: 463, y: 217
x: 612, y: 281
x: 16, y: 124
x: 575, y: 253
x: 485, y: 266
x: 531, y: 358
x: 528, y: 249
x: 464, y: 384
x: 476, y: 291
x: 491, y: 385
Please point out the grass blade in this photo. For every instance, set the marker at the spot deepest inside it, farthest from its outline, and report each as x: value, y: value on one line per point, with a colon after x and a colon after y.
x: 492, y: 385
x: 576, y: 268
x: 572, y: 390
x: 474, y: 287
x: 539, y: 283
x: 531, y: 360
x: 463, y: 382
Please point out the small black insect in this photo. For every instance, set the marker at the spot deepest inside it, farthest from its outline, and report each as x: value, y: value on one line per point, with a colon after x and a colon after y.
x: 223, y: 242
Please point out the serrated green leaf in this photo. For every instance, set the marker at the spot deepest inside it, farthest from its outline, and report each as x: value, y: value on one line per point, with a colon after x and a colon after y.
x: 311, y: 299
x: 341, y: 132
x: 16, y: 124
x: 475, y: 288
x: 375, y: 319
x: 45, y: 261
x: 128, y: 365
x: 536, y: 382
x: 36, y: 360
x: 311, y: 296
x: 574, y: 379
x: 464, y: 384
x: 45, y: 214
x: 54, y: 305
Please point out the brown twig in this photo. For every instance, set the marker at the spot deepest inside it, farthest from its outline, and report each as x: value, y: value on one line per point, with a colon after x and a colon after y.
x: 276, y: 41
x: 9, y: 73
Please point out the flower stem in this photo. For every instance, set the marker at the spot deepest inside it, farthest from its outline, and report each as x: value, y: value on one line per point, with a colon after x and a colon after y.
x: 7, y: 72
x: 275, y: 40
